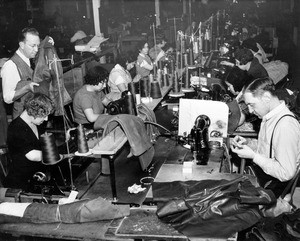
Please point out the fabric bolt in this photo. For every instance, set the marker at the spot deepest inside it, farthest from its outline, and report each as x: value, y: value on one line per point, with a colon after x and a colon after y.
x: 85, y: 99
x: 75, y: 212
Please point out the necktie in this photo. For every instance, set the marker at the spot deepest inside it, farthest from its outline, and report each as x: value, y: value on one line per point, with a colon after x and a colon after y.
x: 32, y: 64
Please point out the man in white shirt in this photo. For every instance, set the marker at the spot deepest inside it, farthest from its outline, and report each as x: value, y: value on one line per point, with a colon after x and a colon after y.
x: 18, y: 69
x: 276, y: 156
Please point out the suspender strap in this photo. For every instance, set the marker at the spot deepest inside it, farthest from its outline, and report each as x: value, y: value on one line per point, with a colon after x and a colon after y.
x: 270, y: 155
x: 292, y: 183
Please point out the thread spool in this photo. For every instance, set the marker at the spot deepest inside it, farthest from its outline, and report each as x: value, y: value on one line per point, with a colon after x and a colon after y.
x: 49, y: 149
x: 206, y: 46
x: 191, y: 57
x: 158, y: 77
x: 185, y: 58
x: 81, y: 140
x: 130, y: 104
x: 133, y: 87
x: 165, y: 77
x: 160, y: 65
x: 144, y: 87
x: 155, y: 90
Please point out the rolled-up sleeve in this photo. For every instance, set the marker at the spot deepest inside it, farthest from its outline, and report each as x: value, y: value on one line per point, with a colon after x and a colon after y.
x: 10, y: 77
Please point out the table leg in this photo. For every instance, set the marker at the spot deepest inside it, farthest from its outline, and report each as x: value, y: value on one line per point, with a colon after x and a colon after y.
x: 113, y: 178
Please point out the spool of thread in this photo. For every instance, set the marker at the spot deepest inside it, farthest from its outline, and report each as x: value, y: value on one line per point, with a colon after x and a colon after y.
x: 186, y: 79
x: 138, y: 99
x: 49, y: 149
x: 217, y: 43
x: 165, y: 77
x: 160, y: 65
x: 191, y: 57
x: 133, y: 87
x: 158, y: 77
x: 185, y: 58
x: 144, y: 87
x: 176, y: 86
x: 131, y: 109
x: 81, y: 140
x: 155, y: 90
x: 206, y: 46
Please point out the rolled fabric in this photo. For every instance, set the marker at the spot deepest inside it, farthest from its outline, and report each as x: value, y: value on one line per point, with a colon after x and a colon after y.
x: 76, y: 212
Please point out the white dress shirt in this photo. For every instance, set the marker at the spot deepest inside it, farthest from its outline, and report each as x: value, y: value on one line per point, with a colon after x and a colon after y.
x: 10, y: 78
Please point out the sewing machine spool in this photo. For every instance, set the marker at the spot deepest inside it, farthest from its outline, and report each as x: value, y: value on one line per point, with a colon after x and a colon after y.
x: 144, y: 87
x: 81, y: 140
x: 49, y: 149
x: 155, y: 91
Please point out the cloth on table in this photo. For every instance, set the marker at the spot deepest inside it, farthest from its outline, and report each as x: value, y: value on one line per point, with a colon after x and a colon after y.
x: 135, y: 131
x: 75, y: 212
x: 148, y: 115
x: 199, y: 208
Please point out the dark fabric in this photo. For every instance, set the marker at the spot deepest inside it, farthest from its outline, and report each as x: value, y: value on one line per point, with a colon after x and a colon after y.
x: 283, y: 227
x: 25, y: 73
x: 274, y: 184
x: 147, y: 114
x: 211, y: 208
x: 256, y: 70
x: 75, y: 212
x: 234, y: 116
x: 49, y: 74
x: 135, y: 131
x: 21, y: 140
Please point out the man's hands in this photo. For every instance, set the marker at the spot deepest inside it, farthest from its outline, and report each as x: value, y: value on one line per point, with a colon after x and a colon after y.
x: 239, y: 146
x: 31, y: 85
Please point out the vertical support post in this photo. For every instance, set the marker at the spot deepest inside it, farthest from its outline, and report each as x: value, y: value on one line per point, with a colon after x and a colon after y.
x: 96, y: 7
x: 113, y: 178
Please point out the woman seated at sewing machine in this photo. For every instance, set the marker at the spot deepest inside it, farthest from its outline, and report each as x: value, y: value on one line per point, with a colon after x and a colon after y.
x: 23, y: 141
x: 143, y: 64
x: 119, y: 78
x: 87, y: 103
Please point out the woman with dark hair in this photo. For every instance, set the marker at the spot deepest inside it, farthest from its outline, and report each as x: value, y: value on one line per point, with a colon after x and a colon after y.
x: 245, y: 60
x: 143, y: 64
x: 87, y: 102
x: 23, y: 141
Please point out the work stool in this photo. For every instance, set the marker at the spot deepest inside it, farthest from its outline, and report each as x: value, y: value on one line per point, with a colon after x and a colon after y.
x: 4, y: 162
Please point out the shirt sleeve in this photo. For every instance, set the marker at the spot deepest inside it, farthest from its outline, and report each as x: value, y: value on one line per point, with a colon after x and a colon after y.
x: 10, y: 78
x: 86, y: 103
x: 285, y: 148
